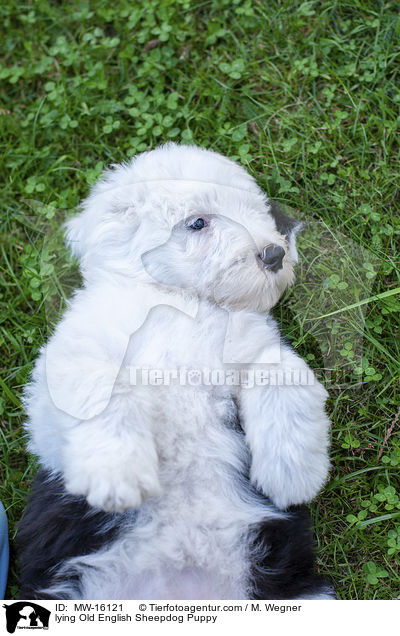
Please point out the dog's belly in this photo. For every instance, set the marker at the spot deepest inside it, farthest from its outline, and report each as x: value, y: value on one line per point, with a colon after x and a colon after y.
x: 187, y: 584
x: 198, y: 551
x: 133, y: 569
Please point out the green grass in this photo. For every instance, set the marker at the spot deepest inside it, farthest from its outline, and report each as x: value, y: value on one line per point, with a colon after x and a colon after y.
x: 306, y: 95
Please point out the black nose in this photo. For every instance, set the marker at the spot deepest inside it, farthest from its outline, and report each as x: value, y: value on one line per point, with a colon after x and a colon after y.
x: 272, y: 257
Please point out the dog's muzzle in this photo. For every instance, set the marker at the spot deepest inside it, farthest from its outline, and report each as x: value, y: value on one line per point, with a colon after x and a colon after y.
x: 272, y: 257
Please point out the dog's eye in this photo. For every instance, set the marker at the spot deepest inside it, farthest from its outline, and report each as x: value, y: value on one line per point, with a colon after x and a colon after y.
x: 198, y: 224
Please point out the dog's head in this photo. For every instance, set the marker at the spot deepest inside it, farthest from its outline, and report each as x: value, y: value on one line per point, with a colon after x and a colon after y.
x: 188, y: 218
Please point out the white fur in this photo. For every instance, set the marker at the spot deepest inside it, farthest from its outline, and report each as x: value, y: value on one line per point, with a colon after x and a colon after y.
x: 161, y: 296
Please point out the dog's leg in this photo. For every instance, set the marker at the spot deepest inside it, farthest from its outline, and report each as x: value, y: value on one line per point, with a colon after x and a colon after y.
x: 287, y: 430
x: 109, y: 457
x: 112, y: 459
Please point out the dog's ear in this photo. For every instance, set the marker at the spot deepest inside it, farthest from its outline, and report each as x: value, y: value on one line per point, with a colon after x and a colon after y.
x: 103, y: 231
x: 287, y: 226
x: 107, y: 219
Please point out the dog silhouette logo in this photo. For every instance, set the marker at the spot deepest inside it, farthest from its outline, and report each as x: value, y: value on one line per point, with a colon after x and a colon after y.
x: 26, y: 615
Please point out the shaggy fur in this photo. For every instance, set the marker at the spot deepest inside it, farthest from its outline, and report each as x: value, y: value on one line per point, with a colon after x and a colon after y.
x: 181, y: 490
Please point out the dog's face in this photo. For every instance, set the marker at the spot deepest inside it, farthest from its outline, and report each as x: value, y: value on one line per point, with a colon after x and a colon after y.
x: 191, y: 219
x: 235, y: 265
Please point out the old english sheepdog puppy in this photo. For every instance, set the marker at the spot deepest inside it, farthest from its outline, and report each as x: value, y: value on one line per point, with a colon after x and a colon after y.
x: 178, y: 435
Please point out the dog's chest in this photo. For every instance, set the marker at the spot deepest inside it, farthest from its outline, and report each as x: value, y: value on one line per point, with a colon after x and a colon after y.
x: 172, y: 337
x: 201, y: 454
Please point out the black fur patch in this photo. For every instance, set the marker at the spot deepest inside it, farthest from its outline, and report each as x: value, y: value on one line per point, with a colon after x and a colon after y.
x: 55, y: 527
x: 283, y: 559
x: 284, y: 224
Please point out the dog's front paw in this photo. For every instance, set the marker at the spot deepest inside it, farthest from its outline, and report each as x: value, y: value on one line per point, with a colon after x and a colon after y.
x: 289, y: 482
x: 113, y: 485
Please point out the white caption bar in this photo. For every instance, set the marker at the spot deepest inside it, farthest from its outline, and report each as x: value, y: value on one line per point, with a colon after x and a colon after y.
x: 147, y: 617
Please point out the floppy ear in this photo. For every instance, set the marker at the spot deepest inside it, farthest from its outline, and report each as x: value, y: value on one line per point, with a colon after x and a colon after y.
x: 107, y: 219
x: 287, y: 226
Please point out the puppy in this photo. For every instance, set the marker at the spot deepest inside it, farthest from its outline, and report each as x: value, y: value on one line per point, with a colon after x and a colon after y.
x: 154, y: 483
